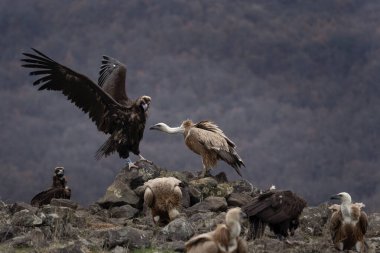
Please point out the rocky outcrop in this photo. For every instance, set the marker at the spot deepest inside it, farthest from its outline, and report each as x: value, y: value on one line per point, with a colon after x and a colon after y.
x: 119, y: 223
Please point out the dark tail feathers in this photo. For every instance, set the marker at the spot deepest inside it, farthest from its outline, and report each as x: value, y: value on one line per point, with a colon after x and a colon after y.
x: 106, y: 149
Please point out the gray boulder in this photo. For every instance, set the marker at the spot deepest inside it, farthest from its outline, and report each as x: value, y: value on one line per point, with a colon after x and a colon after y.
x: 213, y: 204
x: 125, y: 211
x: 18, y: 206
x: 121, y: 191
x: 177, y: 230
x: 239, y: 199
x: 127, y: 236
x: 64, y: 203
x: 26, y: 218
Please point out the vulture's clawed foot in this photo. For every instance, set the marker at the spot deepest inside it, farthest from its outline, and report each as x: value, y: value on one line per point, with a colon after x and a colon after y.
x: 288, y: 242
x: 145, y: 160
x: 131, y: 165
x: 204, y: 174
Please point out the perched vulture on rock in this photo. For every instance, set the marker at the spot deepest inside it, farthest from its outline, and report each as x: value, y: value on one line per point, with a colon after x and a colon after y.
x: 59, y: 190
x: 280, y: 210
x: 106, y: 103
x: 348, y: 224
x: 207, y: 140
x: 164, y: 197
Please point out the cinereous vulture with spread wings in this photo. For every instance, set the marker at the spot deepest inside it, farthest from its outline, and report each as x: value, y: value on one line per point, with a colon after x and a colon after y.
x: 106, y: 103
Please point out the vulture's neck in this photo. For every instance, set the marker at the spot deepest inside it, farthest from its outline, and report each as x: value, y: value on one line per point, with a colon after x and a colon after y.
x: 345, y: 207
x: 234, y: 228
x: 172, y: 130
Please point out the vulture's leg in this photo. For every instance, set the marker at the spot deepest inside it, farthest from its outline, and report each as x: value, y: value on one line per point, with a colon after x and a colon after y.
x: 205, y: 172
x: 359, y: 246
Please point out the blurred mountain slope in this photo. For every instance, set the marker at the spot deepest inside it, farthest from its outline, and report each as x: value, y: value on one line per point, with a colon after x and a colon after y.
x: 294, y: 83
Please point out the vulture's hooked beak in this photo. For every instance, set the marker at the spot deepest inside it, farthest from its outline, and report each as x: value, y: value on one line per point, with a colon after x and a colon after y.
x: 335, y: 197
x: 154, y: 127
x: 145, y: 106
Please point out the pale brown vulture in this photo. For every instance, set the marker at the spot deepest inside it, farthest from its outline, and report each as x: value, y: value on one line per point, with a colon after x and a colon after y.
x: 59, y: 190
x: 207, y: 140
x: 106, y: 103
x: 164, y: 197
x: 224, y: 239
x: 348, y: 224
x: 280, y: 210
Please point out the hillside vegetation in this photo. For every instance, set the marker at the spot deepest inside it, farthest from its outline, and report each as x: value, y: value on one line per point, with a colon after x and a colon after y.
x: 295, y: 84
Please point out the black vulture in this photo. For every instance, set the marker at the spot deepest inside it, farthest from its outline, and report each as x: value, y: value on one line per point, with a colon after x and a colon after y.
x: 59, y: 190
x: 280, y: 210
x: 106, y: 103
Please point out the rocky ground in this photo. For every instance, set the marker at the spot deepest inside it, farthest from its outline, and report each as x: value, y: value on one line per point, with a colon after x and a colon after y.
x: 119, y: 222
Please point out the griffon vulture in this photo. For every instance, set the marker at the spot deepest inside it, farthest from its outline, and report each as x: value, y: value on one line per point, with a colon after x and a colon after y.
x: 59, y: 189
x: 207, y: 140
x: 224, y: 239
x: 164, y: 197
x: 348, y: 224
x: 280, y: 210
x: 106, y: 103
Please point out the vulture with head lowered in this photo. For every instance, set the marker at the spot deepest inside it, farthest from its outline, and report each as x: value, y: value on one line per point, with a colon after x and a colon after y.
x: 207, y: 140
x: 224, y: 239
x: 163, y: 196
x: 280, y: 210
x: 106, y: 102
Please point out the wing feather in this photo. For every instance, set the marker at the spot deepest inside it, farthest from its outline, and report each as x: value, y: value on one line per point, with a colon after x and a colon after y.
x: 44, y: 197
x: 212, y: 127
x: 335, y: 226
x: 79, y: 89
x: 112, y: 78
x: 363, y: 222
x: 214, y: 139
x: 199, y: 239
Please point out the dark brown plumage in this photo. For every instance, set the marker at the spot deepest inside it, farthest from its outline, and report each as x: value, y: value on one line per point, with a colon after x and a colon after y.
x: 280, y: 210
x: 106, y: 103
x: 59, y: 190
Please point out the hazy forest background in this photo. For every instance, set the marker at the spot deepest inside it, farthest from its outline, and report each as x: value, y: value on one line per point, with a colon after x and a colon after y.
x: 294, y: 83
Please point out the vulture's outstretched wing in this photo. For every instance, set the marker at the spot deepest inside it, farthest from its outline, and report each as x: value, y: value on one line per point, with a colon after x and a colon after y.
x: 79, y: 89
x: 44, y: 197
x: 112, y: 78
